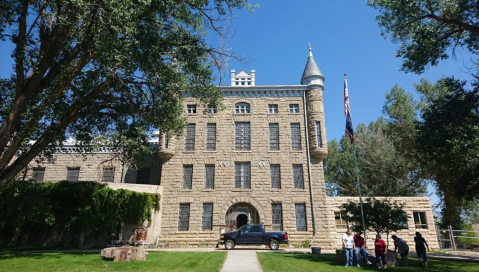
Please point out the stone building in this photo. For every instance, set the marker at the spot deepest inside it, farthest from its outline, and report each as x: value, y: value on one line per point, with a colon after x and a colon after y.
x: 259, y: 160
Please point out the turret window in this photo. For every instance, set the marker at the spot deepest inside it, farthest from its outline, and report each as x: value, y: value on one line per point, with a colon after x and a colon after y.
x: 319, y: 141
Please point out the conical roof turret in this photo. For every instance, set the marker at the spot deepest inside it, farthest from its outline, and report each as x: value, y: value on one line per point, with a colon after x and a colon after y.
x: 312, y: 72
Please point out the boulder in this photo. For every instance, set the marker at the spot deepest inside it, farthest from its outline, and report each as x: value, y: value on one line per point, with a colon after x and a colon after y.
x: 124, y: 254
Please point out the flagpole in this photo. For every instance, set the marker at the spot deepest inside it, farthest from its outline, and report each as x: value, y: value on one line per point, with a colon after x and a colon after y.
x: 349, y: 131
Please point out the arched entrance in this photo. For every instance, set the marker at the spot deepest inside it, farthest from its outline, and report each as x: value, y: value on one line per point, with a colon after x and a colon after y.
x: 240, y: 214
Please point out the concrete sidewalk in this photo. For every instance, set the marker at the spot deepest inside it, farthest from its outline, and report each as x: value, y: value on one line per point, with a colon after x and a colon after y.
x: 240, y: 261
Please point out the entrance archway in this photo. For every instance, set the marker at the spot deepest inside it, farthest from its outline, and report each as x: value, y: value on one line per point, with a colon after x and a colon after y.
x: 240, y: 214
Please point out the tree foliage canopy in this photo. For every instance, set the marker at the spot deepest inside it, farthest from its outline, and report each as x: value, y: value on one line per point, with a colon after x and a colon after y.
x: 427, y: 29
x: 103, y: 67
x: 383, y: 169
x: 380, y: 215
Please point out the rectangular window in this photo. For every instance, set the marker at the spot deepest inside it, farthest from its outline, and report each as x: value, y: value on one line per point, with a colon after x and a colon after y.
x: 275, y: 176
x: 242, y: 107
x: 143, y: 176
x: 38, y: 174
x: 420, y: 220
x: 190, y: 137
x: 108, y: 174
x: 211, y: 136
x: 207, y: 216
x: 273, y: 136
x: 212, y: 109
x: 277, y: 216
x: 301, y: 217
x: 184, y: 221
x: 191, y: 109
x: 210, y: 176
x: 187, y: 177
x: 272, y: 108
x: 319, y: 140
x: 340, y: 222
x: 243, y: 175
x: 293, y: 108
x: 298, y: 176
x: 295, y: 136
x: 242, y: 136
x: 73, y: 173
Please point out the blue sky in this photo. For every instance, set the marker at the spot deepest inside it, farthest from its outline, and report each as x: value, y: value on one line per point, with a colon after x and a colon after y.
x: 345, y: 38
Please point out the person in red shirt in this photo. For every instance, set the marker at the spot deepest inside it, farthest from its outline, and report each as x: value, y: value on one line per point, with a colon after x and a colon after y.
x: 380, y: 250
x: 360, y: 247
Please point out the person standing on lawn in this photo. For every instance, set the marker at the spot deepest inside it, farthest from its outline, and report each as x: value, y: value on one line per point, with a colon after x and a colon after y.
x: 348, y: 245
x: 380, y: 248
x: 360, y: 246
x: 420, y: 248
x: 402, y: 247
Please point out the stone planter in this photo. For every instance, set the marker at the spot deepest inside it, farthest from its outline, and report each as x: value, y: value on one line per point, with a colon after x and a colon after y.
x: 124, y: 254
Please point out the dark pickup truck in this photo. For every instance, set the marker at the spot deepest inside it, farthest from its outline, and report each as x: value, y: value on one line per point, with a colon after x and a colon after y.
x: 253, y: 235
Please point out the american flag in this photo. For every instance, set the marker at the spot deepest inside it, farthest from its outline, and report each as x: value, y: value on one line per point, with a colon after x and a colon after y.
x: 347, y: 111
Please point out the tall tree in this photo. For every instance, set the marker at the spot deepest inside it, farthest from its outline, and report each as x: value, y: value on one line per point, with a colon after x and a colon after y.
x: 383, y: 171
x: 428, y: 29
x: 111, y: 67
x: 448, y: 146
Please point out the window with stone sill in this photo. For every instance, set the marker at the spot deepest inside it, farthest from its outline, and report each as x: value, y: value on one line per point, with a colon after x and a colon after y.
x: 212, y: 109
x: 73, y: 173
x: 108, y: 174
x: 207, y: 223
x: 295, y: 136
x: 211, y: 136
x: 191, y: 109
x: 242, y: 175
x: 190, y: 137
x: 184, y: 217
x: 340, y: 222
x: 300, y: 210
x: 420, y: 220
x: 275, y: 172
x: 187, y: 182
x: 38, y: 174
x: 274, y: 136
x: 298, y: 176
x: 242, y: 107
x: 272, y: 108
x: 209, y: 176
x: 277, y: 216
x: 242, y: 136
x: 293, y: 108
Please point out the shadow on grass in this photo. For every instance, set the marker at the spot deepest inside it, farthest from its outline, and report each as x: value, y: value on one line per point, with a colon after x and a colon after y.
x: 41, y: 255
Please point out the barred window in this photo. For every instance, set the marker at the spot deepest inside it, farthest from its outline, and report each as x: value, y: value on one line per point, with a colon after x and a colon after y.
x: 211, y: 136
x: 210, y: 176
x: 207, y: 216
x: 275, y: 176
x: 273, y: 136
x: 108, y: 174
x: 212, y: 109
x: 38, y: 174
x: 187, y: 177
x: 295, y: 136
x: 143, y: 176
x: 191, y: 109
x: 242, y: 136
x: 272, y: 108
x: 298, y: 176
x: 319, y: 140
x: 184, y: 220
x: 243, y: 175
x: 293, y: 108
x: 340, y: 222
x: 277, y: 216
x: 301, y: 217
x: 190, y: 137
x: 242, y: 107
x: 420, y: 220
x: 73, y: 173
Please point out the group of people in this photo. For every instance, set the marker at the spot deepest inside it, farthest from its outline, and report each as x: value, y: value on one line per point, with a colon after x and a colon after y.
x: 355, y: 245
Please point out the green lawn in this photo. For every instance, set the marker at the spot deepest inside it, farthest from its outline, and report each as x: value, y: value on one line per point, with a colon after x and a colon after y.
x: 92, y: 262
x: 278, y: 262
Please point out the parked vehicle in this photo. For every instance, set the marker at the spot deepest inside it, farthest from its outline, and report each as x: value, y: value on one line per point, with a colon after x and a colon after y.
x: 253, y: 235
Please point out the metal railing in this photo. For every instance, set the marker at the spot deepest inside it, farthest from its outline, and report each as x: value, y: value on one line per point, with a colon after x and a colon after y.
x: 457, y: 239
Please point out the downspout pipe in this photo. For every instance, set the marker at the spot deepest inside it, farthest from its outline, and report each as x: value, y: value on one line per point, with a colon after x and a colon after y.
x: 306, y: 127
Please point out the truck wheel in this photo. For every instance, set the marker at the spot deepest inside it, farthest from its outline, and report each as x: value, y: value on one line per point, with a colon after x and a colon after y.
x: 273, y: 244
x: 229, y: 244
